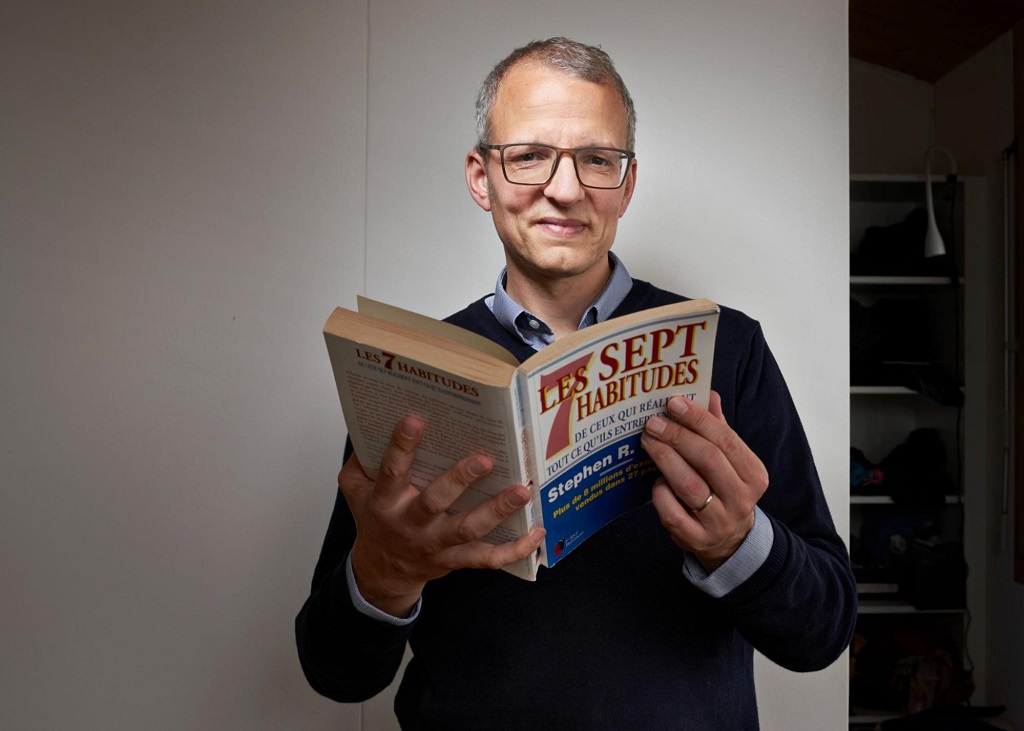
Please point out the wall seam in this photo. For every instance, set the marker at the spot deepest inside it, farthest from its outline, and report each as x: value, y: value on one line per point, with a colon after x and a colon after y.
x: 366, y: 158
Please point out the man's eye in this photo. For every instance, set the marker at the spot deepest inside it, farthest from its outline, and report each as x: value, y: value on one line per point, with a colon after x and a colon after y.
x: 527, y: 156
x: 598, y: 161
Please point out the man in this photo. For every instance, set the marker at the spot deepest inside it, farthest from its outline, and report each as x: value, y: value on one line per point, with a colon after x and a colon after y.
x: 651, y: 623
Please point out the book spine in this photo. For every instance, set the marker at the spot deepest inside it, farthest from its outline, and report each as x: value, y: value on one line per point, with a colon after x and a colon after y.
x: 526, y: 428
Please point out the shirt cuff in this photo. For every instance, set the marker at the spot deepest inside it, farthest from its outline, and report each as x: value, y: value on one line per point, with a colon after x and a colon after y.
x: 739, y: 567
x: 364, y: 607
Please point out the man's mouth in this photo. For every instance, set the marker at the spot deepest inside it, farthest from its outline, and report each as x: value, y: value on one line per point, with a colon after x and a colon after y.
x: 561, y: 226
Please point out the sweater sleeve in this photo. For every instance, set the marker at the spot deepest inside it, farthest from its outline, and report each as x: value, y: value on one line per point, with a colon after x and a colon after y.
x: 800, y: 607
x: 345, y: 654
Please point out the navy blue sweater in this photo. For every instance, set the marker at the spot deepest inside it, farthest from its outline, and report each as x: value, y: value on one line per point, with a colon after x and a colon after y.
x: 614, y: 637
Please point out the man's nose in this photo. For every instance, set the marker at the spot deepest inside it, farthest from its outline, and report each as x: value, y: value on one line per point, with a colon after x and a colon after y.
x: 564, y: 187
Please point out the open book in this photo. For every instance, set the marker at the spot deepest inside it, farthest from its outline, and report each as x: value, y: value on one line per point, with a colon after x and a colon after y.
x: 566, y: 422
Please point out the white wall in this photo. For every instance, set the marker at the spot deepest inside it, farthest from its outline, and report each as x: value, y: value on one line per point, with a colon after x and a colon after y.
x: 184, y: 195
x: 181, y: 204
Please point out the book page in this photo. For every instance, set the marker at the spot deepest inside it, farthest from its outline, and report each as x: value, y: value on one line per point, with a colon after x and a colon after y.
x: 377, y: 389
x: 452, y: 356
x: 437, y: 328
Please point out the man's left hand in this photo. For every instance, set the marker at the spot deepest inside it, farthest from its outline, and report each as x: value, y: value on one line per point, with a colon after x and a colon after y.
x: 710, y: 479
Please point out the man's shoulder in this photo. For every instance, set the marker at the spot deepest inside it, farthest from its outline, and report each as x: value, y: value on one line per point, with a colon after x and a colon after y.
x: 470, y: 315
x: 644, y: 296
x: 478, y: 318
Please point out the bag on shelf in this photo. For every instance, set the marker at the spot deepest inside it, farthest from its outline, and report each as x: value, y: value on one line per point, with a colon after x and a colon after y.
x: 898, y: 250
x: 934, y: 575
x: 915, y: 471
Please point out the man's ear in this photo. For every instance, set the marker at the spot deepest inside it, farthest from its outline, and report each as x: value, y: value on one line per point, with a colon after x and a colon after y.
x: 628, y: 187
x: 476, y: 179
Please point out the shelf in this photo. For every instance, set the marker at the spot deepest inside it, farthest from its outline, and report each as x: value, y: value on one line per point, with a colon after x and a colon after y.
x: 886, y: 391
x: 887, y: 500
x: 882, y: 391
x: 870, y: 716
x: 895, y: 606
x: 877, y: 587
x: 891, y: 281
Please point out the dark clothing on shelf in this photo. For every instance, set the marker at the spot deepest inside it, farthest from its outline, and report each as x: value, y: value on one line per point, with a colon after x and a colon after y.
x: 614, y: 637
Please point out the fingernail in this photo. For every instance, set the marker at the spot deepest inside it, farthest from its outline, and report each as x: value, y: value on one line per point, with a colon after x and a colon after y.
x: 656, y: 425
x: 516, y: 500
x: 410, y: 429
x: 477, y: 467
x: 678, y: 405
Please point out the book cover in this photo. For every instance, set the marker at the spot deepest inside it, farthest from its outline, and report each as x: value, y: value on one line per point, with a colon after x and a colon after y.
x: 589, y: 406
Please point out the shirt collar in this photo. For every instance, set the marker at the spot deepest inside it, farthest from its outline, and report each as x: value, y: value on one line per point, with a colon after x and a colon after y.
x: 535, y: 332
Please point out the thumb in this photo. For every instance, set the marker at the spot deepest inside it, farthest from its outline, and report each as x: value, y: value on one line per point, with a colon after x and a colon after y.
x: 715, y: 406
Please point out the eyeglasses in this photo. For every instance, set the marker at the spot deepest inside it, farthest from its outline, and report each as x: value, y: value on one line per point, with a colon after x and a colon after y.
x: 533, y: 164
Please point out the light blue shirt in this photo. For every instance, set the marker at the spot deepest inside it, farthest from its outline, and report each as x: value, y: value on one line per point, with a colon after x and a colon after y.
x: 535, y: 332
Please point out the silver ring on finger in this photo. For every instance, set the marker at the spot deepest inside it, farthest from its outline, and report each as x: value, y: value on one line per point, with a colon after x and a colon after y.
x: 711, y: 496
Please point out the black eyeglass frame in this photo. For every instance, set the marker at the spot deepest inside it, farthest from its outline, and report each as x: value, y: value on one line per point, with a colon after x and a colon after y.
x: 572, y: 152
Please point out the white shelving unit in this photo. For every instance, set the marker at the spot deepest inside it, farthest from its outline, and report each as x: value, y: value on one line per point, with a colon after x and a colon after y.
x: 883, y: 414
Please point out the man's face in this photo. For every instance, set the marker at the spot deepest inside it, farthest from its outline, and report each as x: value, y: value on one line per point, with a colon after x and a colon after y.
x: 559, y: 230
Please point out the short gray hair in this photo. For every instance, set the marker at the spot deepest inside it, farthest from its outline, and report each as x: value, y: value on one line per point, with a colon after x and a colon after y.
x: 576, y: 59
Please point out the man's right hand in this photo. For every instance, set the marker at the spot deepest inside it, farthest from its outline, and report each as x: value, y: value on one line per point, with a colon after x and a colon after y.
x: 404, y: 537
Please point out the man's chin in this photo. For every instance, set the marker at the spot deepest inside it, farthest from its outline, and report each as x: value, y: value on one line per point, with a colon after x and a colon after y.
x: 564, y: 267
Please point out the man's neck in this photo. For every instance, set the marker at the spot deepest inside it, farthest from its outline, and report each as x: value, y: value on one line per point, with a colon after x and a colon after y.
x: 559, y: 302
